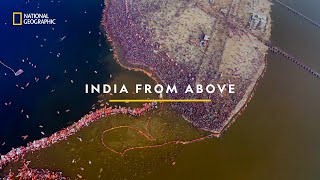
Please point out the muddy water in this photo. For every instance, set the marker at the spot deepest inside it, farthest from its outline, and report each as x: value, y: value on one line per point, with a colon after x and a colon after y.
x: 278, y: 136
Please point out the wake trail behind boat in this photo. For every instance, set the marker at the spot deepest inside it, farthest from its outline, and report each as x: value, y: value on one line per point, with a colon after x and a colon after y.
x: 19, y: 72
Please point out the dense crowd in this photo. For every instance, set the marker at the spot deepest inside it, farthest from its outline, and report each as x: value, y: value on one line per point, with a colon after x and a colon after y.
x: 134, y: 39
x: 28, y: 173
x: 16, y: 153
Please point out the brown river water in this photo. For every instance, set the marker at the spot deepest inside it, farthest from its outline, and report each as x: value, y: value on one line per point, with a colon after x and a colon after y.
x: 277, y: 136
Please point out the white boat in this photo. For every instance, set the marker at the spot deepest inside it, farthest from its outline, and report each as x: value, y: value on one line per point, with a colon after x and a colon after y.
x: 61, y: 39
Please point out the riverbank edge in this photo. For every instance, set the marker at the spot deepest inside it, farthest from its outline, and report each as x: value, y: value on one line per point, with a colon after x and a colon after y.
x: 243, y: 103
x: 248, y: 95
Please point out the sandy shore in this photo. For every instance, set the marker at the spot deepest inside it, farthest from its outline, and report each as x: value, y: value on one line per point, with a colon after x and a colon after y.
x: 161, y: 39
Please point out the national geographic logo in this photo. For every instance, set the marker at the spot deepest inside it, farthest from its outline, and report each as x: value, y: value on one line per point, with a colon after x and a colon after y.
x: 19, y: 19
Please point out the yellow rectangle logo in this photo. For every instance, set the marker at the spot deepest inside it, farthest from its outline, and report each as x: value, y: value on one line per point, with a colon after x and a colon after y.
x: 19, y: 23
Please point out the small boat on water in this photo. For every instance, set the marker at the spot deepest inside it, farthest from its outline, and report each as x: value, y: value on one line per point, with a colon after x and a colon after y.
x: 19, y: 72
x: 79, y: 138
x: 16, y: 73
x: 61, y: 39
x: 24, y: 137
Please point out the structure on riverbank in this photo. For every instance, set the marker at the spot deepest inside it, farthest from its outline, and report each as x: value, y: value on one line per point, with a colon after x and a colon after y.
x: 293, y: 59
x: 297, y: 13
x: 168, y: 32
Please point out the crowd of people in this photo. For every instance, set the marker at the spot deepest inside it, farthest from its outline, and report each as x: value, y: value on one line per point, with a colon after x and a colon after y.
x: 28, y: 173
x: 16, y: 153
x: 132, y: 36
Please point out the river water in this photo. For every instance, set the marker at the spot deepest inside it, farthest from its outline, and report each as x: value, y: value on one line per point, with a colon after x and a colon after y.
x: 277, y: 136
x: 80, y: 55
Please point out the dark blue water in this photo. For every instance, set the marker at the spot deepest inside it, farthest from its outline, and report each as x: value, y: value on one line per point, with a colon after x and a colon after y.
x: 80, y: 56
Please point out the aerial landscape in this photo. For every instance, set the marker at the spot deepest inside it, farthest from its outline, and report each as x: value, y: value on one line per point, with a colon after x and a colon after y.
x: 250, y: 105
x: 188, y: 42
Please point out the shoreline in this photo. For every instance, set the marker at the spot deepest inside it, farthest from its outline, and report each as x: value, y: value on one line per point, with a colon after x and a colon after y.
x: 250, y: 93
x: 236, y: 112
x: 18, y: 153
x: 248, y: 99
